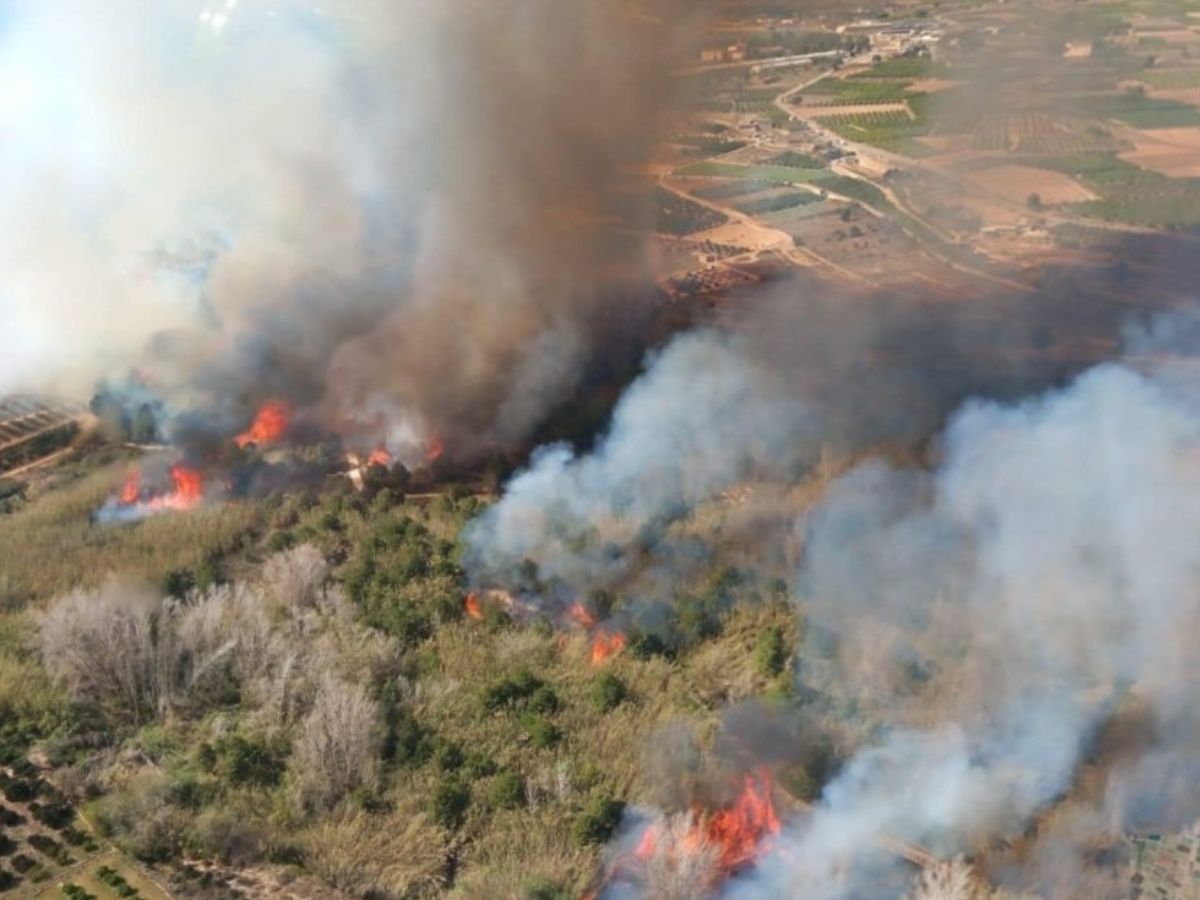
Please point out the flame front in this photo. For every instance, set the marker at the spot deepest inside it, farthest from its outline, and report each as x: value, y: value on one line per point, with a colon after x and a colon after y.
x: 606, y: 644
x: 132, y: 489
x: 472, y: 606
x: 739, y: 830
x: 435, y: 449
x: 578, y: 612
x: 379, y: 457
x: 270, y: 424
x: 736, y: 834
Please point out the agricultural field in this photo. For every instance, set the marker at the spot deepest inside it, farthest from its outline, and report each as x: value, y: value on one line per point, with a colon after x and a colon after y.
x: 895, y: 131
x: 1130, y: 194
x: 1041, y: 132
x: 1170, y: 79
x: 908, y: 68
x: 41, y: 836
x: 767, y: 173
x: 679, y: 216
x: 1137, y: 110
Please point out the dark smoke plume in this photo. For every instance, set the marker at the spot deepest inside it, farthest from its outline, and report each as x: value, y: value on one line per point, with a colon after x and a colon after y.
x: 409, y: 218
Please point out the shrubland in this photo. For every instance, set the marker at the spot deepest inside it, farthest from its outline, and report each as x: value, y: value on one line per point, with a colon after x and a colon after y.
x: 293, y: 681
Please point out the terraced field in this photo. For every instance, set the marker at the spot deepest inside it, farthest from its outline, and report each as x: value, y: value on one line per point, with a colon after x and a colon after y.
x: 32, y: 428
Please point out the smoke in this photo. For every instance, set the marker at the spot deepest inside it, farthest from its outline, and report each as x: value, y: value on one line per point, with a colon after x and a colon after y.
x: 1007, y: 631
x: 383, y: 211
x: 811, y: 373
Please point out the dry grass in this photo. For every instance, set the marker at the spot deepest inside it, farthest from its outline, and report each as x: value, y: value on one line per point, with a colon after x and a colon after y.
x: 51, y: 546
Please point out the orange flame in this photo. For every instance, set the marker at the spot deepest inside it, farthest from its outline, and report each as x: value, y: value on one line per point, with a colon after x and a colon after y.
x: 379, y: 457
x: 605, y: 645
x: 737, y: 833
x: 472, y: 606
x: 189, y: 487
x: 435, y: 450
x: 578, y: 612
x: 187, y: 491
x: 132, y: 489
x: 269, y: 425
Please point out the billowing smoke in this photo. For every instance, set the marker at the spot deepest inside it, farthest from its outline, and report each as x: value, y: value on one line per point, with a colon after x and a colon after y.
x: 383, y: 211
x: 1000, y: 618
x: 1008, y: 633
x: 806, y: 375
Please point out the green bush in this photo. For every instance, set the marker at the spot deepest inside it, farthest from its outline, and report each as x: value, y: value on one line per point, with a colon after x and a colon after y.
x: 598, y: 821
x: 516, y: 690
x: 448, y: 757
x: 770, y: 653
x: 449, y: 803
x: 608, y: 692
x: 507, y: 791
x: 545, y: 889
x: 245, y: 761
x: 542, y: 732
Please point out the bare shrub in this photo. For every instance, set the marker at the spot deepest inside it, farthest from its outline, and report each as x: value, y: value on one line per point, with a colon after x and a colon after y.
x: 335, y: 751
x: 295, y: 579
x: 111, y: 647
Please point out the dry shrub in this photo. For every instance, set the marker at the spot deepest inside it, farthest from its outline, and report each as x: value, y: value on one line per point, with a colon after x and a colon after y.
x: 336, y: 749
x: 400, y: 856
x: 295, y: 579
x: 519, y: 848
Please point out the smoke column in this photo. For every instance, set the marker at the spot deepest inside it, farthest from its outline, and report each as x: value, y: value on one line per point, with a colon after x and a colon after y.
x: 385, y: 211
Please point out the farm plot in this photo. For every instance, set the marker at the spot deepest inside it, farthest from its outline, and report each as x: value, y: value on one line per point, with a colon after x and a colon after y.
x: 679, y: 216
x: 1016, y: 183
x: 909, y: 68
x: 39, y: 832
x: 1039, y: 132
x: 768, y: 173
x: 770, y: 204
x: 1138, y: 110
x: 1130, y: 194
x: 892, y: 130
x: 1174, y: 152
x: 1170, y: 79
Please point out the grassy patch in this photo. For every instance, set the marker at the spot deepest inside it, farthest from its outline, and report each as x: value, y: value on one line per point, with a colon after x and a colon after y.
x: 1139, y: 110
x: 768, y: 174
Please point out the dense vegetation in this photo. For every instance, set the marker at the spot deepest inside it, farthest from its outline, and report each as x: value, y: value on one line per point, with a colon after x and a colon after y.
x: 294, y: 681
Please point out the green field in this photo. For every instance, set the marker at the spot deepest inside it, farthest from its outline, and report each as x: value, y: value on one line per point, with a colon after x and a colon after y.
x: 1170, y: 79
x: 909, y: 68
x: 1137, y: 110
x: 775, y: 204
x: 1130, y: 194
x: 893, y: 131
x: 770, y: 174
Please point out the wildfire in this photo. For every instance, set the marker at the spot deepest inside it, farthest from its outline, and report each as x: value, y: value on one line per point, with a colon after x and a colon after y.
x: 132, y: 488
x: 269, y: 425
x: 472, y: 606
x: 435, y: 450
x: 379, y: 457
x: 736, y: 833
x: 606, y: 644
x: 578, y: 613
x: 187, y: 492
